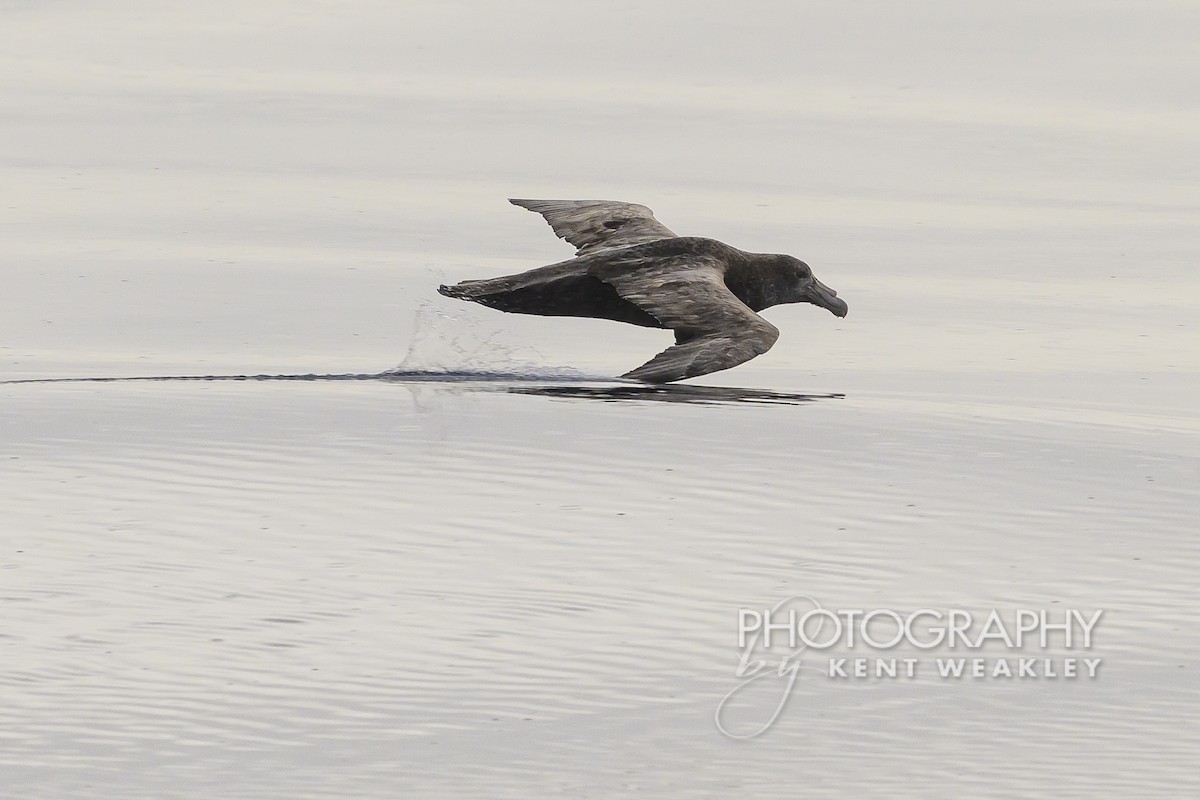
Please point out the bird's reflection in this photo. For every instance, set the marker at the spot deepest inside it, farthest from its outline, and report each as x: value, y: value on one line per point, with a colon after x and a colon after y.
x: 671, y: 393
x: 557, y: 386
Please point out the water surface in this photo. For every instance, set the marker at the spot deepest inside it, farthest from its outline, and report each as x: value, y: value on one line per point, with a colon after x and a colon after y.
x: 384, y: 543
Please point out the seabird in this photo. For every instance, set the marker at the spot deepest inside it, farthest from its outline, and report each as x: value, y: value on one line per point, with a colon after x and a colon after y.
x: 629, y: 267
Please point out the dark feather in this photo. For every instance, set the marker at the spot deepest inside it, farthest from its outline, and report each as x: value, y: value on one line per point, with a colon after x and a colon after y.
x: 631, y: 268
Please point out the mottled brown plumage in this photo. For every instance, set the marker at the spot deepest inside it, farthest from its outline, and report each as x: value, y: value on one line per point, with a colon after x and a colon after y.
x: 629, y: 267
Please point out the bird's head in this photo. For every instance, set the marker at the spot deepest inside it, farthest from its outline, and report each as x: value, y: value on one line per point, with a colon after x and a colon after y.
x: 807, y: 289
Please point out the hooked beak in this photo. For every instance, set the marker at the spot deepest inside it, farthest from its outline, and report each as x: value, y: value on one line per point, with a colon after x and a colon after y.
x: 821, y: 295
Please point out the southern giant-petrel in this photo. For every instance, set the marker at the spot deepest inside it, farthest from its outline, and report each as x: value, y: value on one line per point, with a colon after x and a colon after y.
x: 629, y: 267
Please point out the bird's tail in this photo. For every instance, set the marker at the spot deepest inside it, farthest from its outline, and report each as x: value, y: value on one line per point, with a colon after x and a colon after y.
x: 454, y: 291
x: 473, y: 290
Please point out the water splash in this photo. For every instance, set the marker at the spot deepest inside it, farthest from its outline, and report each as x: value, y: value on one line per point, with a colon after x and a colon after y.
x: 559, y: 387
x: 457, y: 346
x: 445, y: 348
x: 458, y: 349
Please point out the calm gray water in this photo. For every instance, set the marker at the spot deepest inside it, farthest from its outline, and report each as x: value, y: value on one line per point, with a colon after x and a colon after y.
x: 530, y: 586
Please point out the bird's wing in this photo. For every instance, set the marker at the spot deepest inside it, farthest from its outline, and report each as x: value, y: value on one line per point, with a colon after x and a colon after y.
x: 714, y: 330
x: 593, y: 225
x: 704, y: 354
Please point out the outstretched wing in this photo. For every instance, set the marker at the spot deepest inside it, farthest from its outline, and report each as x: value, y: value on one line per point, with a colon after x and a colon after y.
x: 594, y: 225
x: 714, y: 330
